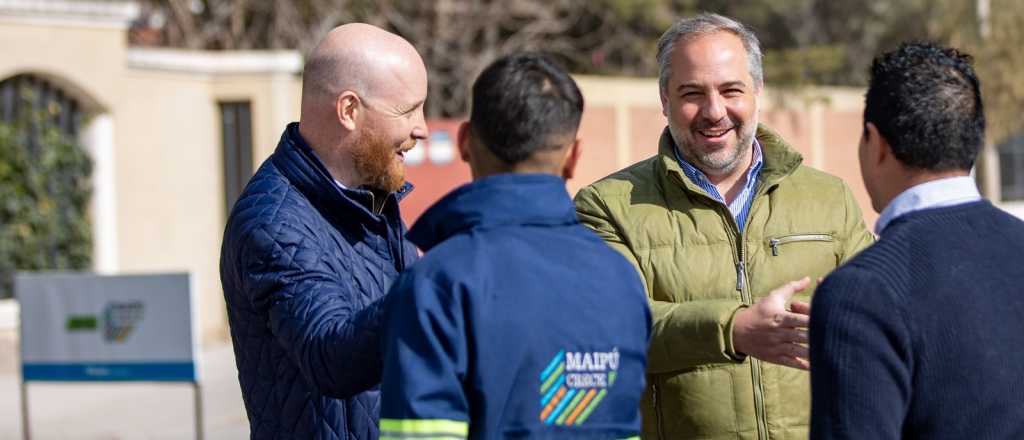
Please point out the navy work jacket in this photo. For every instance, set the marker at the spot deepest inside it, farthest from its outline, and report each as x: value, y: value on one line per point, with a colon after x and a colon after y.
x: 517, y: 323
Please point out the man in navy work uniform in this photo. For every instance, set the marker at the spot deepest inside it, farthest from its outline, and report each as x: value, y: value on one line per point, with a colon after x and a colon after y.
x: 920, y: 335
x: 518, y: 322
x: 316, y: 239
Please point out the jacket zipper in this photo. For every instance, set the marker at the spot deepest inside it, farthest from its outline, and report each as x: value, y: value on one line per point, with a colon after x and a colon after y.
x: 741, y: 286
x: 755, y: 364
x: 741, y: 276
x: 379, y: 210
x: 657, y: 410
x: 777, y: 241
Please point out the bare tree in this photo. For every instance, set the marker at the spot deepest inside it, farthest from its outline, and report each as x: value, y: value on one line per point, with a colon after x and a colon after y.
x: 457, y: 38
x: 806, y: 41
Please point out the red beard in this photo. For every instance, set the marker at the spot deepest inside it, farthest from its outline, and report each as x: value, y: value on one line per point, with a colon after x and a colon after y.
x: 374, y: 159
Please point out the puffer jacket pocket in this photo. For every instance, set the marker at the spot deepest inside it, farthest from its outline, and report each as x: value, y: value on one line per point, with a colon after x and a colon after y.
x: 778, y: 244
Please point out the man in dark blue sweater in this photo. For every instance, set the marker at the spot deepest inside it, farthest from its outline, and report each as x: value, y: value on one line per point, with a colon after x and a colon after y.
x: 920, y: 335
x: 518, y: 322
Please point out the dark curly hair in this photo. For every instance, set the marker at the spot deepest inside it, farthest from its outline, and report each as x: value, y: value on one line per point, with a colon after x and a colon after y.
x: 925, y: 100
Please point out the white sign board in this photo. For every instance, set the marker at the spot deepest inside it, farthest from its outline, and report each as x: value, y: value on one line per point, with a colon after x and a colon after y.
x: 86, y: 327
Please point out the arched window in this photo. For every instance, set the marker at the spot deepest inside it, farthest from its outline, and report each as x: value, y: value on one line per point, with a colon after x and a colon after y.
x: 1011, y: 168
x: 44, y: 182
x: 64, y: 110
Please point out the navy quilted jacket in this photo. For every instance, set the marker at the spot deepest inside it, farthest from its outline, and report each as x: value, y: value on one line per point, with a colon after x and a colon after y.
x: 302, y: 265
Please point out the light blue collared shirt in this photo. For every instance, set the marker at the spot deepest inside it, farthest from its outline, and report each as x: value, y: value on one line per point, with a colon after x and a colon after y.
x: 740, y: 206
x: 935, y: 194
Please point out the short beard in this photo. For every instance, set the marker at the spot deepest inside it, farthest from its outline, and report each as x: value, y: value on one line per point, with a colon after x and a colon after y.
x: 711, y: 165
x: 374, y: 160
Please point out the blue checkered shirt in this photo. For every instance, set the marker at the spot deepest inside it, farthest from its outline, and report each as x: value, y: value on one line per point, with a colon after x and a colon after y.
x: 740, y: 206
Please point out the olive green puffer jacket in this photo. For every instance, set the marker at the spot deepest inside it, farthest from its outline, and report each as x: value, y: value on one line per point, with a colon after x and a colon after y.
x: 699, y: 271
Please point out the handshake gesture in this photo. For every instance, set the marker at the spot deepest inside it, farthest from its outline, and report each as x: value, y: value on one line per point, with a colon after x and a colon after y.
x: 767, y: 330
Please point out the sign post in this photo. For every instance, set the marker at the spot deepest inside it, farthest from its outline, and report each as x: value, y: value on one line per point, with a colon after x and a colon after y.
x: 79, y: 327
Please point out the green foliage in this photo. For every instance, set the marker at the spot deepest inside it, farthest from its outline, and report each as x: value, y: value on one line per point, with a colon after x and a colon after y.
x: 44, y: 194
x: 999, y: 62
x: 798, y: 67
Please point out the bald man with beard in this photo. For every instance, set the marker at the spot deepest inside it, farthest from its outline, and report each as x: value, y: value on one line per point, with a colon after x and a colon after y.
x: 316, y: 239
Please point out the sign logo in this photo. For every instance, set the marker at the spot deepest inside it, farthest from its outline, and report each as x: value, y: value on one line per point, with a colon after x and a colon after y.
x: 573, y: 385
x: 119, y: 321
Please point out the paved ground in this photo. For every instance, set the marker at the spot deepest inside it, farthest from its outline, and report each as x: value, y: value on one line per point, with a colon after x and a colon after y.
x: 123, y: 410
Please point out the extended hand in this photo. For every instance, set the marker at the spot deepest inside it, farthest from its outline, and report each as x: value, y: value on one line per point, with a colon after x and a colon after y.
x: 770, y: 332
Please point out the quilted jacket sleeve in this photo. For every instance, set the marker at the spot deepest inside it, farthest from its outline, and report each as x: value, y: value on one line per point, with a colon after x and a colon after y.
x: 684, y: 335
x: 312, y: 310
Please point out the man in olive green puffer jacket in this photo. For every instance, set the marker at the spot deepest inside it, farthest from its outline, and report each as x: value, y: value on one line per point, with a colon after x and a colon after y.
x: 721, y: 216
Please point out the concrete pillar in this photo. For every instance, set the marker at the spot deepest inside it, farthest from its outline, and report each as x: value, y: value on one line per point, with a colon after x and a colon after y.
x: 98, y: 139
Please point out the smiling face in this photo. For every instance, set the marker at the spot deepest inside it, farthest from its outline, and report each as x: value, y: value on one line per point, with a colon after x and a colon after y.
x: 391, y: 125
x: 379, y: 156
x: 711, y: 102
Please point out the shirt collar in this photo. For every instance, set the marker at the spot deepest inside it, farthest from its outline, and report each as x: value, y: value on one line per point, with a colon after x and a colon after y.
x: 934, y: 194
x: 698, y: 177
x: 755, y: 165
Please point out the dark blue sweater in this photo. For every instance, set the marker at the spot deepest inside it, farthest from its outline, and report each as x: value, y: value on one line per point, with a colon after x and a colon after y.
x: 921, y: 335
x: 518, y: 322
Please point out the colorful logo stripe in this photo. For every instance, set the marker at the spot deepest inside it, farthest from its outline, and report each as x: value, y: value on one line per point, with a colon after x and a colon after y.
x: 551, y: 405
x: 555, y: 378
x: 590, y: 409
x: 556, y: 362
x: 561, y: 406
x: 582, y: 406
x: 551, y: 391
x: 569, y: 410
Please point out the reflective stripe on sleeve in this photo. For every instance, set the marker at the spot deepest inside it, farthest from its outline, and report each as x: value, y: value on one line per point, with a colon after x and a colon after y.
x: 423, y: 429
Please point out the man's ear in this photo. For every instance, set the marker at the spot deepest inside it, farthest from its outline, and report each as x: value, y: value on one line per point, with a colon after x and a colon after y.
x: 462, y: 140
x: 664, y: 104
x: 879, y: 149
x: 571, y: 159
x: 347, y: 107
